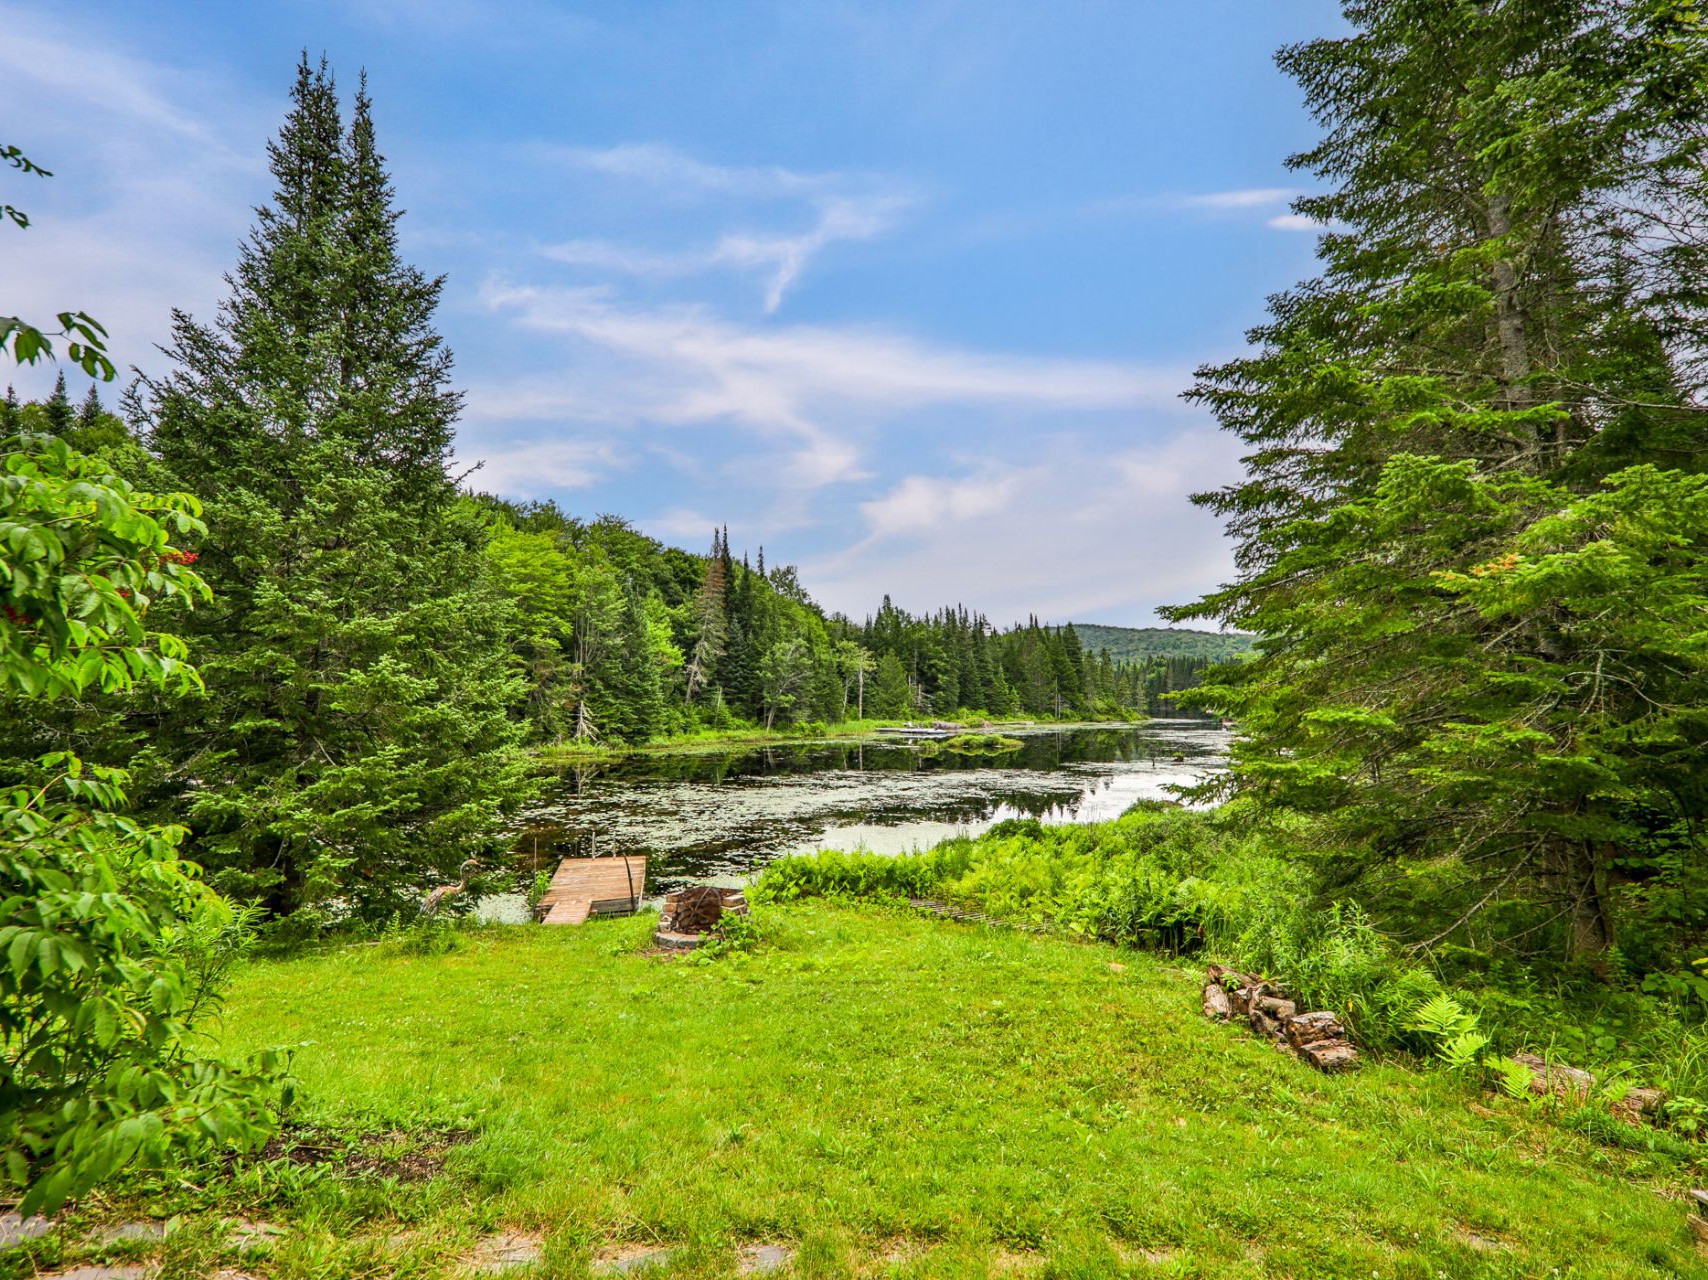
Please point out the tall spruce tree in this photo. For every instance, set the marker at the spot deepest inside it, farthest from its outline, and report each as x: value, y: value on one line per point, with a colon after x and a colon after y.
x: 1463, y: 675
x: 354, y: 744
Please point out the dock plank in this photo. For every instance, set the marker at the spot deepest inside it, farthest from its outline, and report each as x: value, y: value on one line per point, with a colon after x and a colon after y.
x: 613, y: 884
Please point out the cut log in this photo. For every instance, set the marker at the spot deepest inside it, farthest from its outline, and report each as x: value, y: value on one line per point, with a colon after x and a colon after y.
x: 1310, y: 1028
x: 1265, y: 1024
x: 1277, y: 1008
x: 1699, y: 1198
x: 1640, y: 1105
x: 1216, y: 1003
x: 1551, y: 1080
x: 1330, y: 1055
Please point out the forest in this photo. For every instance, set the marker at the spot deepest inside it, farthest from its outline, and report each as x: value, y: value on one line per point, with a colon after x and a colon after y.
x: 268, y: 669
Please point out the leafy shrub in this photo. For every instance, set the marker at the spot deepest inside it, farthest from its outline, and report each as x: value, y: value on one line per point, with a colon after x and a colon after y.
x: 111, y: 947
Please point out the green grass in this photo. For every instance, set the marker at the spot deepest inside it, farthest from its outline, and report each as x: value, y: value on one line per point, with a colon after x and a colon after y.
x: 896, y: 1096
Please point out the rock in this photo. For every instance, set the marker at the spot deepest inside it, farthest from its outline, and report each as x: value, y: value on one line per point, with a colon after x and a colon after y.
x: 1330, y: 1055
x: 1547, y: 1079
x: 14, y: 1229
x: 1216, y: 1003
x: 764, y: 1259
x: 254, y: 1235
x: 666, y: 940
x: 633, y: 1262
x: 1309, y: 1028
x: 1639, y: 1105
x: 508, y: 1252
x: 128, y: 1231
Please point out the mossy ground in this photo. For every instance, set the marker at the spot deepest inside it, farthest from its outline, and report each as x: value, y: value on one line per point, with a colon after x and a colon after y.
x: 891, y: 1096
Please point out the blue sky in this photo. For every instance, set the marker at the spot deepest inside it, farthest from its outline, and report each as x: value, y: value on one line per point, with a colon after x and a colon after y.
x: 904, y: 292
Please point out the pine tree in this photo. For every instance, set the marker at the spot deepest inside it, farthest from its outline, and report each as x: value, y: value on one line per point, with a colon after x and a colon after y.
x: 1504, y: 323
x: 888, y: 696
x: 61, y: 417
x: 354, y: 745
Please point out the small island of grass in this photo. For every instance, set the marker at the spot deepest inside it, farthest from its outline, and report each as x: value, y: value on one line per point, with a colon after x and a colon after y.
x: 982, y: 744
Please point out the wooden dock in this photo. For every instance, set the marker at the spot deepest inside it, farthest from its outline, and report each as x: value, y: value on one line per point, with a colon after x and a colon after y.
x: 583, y: 887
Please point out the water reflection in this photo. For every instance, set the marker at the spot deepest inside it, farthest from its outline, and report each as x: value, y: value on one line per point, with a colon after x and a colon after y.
x: 718, y: 818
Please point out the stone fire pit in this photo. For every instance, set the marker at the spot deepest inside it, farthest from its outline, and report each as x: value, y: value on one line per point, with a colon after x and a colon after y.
x: 692, y: 913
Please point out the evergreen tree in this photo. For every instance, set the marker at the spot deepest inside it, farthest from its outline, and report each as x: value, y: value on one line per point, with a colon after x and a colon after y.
x: 888, y: 696
x: 1506, y: 321
x: 354, y: 744
x: 61, y: 417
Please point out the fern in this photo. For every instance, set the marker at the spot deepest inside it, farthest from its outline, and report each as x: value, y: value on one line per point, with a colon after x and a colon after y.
x: 1513, y: 1077
x: 1461, y: 1051
x: 1452, y: 1028
x: 1442, y: 1017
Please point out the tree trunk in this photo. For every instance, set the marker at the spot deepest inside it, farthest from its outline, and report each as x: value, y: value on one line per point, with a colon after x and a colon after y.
x: 1584, y: 880
x: 1509, y: 313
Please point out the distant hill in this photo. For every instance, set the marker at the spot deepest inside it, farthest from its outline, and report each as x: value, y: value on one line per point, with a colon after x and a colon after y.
x: 1161, y: 642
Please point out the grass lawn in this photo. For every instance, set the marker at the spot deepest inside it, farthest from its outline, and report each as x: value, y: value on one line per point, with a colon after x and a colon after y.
x: 894, y: 1096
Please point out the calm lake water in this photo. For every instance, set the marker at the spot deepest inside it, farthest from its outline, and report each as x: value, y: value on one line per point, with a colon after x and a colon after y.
x: 719, y: 818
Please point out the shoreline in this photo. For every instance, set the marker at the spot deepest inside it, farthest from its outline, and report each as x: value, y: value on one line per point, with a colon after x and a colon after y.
x: 854, y: 733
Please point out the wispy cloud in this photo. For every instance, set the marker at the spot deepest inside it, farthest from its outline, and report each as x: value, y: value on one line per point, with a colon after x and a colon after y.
x: 779, y: 257
x: 1118, y: 539
x: 1243, y: 198
x: 763, y: 205
x: 156, y: 167
x: 920, y: 503
x: 666, y: 167
x: 713, y: 368
x: 535, y: 468
x: 1296, y: 222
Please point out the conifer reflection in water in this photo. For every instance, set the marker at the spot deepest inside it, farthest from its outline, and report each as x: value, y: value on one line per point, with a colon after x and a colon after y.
x: 719, y: 818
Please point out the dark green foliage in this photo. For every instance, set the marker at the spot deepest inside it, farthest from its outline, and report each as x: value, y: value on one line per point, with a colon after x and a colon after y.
x: 109, y: 942
x: 1468, y: 531
x: 355, y: 744
x: 1142, y: 643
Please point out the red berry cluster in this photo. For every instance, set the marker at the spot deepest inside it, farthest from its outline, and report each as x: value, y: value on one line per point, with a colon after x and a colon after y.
x: 181, y: 557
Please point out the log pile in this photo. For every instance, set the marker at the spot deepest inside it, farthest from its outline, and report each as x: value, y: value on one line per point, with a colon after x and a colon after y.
x: 690, y: 914
x: 1317, y: 1037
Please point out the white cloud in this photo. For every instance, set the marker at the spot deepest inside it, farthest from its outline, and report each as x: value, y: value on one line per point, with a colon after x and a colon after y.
x: 780, y: 258
x: 155, y: 169
x: 1297, y: 222
x: 1081, y: 536
x: 1244, y: 198
x: 666, y: 167
x: 919, y: 503
x: 823, y: 389
x: 533, y: 468
x: 711, y: 368
x: 843, y: 207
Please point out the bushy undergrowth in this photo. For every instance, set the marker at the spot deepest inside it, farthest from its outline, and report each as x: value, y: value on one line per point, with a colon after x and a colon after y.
x: 1227, y: 888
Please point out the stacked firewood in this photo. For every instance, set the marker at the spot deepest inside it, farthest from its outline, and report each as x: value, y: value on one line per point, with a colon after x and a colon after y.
x: 1318, y: 1037
x: 692, y: 913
